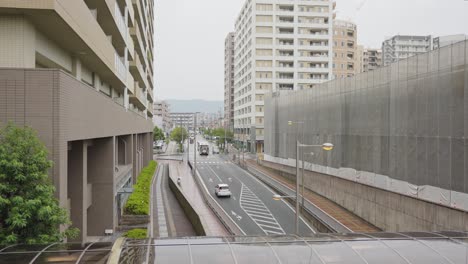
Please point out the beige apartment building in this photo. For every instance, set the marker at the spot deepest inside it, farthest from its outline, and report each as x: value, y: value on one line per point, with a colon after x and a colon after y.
x: 80, y: 73
x: 345, y: 49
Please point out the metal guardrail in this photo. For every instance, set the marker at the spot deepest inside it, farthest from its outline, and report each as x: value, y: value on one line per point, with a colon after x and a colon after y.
x: 327, y: 220
x: 222, y: 215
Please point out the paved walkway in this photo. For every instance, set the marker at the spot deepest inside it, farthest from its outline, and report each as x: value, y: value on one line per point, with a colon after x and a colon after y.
x: 193, y: 194
x: 350, y: 220
x: 169, y: 219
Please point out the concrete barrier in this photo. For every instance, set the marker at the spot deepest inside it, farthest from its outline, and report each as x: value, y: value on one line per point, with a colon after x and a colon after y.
x: 191, y: 214
x: 384, y: 209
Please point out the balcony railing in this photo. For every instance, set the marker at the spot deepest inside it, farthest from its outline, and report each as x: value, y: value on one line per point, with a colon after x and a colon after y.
x: 120, y: 21
x: 120, y: 66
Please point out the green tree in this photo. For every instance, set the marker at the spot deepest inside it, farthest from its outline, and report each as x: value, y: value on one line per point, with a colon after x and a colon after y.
x: 222, y: 134
x: 177, y: 134
x: 158, y: 134
x: 29, y: 212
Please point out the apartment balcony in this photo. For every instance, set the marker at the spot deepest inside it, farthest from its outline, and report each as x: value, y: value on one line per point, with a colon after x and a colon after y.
x: 288, y: 8
x: 139, y: 74
x: 135, y: 33
x: 130, y: 84
x: 112, y: 21
x: 130, y: 47
x: 130, y: 11
x: 149, y: 109
x: 285, y: 76
x: 314, y: 47
x: 139, y: 99
x: 121, y: 67
x: 149, y: 77
x: 150, y: 95
x: 76, y: 28
x: 141, y: 17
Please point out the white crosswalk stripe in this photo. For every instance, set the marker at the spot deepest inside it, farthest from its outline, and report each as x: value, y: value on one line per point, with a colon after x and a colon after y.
x: 259, y: 213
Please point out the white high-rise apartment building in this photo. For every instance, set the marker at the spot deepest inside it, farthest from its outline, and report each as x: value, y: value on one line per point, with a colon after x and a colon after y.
x: 402, y: 47
x: 279, y: 45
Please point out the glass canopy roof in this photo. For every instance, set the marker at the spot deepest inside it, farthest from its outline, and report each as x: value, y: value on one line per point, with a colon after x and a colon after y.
x: 382, y: 248
x: 56, y: 253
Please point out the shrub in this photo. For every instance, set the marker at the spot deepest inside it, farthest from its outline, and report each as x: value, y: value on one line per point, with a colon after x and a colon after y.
x: 137, y: 233
x: 139, y: 201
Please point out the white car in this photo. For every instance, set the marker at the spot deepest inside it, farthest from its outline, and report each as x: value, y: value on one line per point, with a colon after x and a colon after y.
x: 222, y: 190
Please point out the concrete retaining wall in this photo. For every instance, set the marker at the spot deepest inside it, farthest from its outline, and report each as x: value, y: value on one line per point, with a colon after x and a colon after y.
x: 191, y: 214
x: 384, y: 209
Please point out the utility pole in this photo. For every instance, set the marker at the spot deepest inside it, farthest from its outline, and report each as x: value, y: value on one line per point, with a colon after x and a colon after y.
x: 195, y: 147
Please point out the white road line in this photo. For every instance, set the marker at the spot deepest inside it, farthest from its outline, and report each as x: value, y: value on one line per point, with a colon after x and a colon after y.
x: 250, y: 199
x: 215, y: 173
x: 250, y: 208
x: 259, y: 216
x: 259, y: 213
x: 267, y: 226
x: 255, y: 206
x: 265, y: 221
x: 287, y: 204
x: 276, y: 233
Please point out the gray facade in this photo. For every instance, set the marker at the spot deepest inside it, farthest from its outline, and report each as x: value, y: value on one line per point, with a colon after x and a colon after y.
x: 401, y: 128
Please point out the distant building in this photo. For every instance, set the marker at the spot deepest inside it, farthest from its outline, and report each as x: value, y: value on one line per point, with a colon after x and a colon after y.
x: 359, y: 58
x: 162, y: 118
x: 401, y: 47
x: 185, y: 120
x: 371, y: 59
x: 229, y: 81
x: 345, y: 58
x: 443, y: 41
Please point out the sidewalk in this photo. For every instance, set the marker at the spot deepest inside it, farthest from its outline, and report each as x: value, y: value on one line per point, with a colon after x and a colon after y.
x: 348, y: 219
x: 169, y: 219
x: 192, y: 193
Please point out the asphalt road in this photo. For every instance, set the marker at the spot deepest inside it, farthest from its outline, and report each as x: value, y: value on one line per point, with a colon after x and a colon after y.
x: 251, y: 205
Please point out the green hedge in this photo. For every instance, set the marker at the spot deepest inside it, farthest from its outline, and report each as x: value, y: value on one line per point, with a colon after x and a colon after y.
x: 137, y: 233
x: 139, y: 201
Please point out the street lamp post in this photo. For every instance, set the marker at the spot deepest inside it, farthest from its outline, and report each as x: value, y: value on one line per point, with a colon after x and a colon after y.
x: 195, y: 146
x: 302, y: 178
x: 290, y: 123
x: 324, y: 146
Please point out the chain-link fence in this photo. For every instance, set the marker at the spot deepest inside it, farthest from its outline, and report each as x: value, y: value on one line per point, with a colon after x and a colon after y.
x: 403, y: 127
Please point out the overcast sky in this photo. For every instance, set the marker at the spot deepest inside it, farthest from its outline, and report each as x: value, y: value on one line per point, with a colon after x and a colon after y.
x: 189, y: 61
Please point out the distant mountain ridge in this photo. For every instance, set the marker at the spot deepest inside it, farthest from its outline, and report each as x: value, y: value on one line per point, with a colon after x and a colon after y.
x: 195, y: 105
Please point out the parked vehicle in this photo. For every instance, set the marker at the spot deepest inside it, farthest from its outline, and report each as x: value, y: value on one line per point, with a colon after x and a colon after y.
x: 222, y: 190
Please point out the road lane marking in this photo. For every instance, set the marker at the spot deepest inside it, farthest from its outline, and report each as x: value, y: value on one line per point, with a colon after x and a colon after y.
x: 265, y: 221
x: 255, y: 206
x: 215, y: 173
x: 273, y: 192
x: 259, y: 216
x: 249, y: 199
x: 257, y: 213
